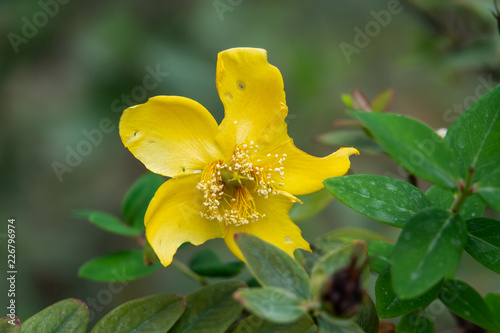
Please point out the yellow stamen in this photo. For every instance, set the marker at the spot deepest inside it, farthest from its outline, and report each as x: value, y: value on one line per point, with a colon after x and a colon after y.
x: 229, y: 187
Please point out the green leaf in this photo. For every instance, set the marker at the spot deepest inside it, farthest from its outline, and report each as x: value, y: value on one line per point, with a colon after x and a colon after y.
x: 120, y: 266
x: 69, y: 315
x: 156, y: 313
x: 10, y: 325
x: 493, y: 302
x: 383, y: 101
x: 415, y: 322
x: 483, y: 242
x: 339, y: 237
x: 465, y: 302
x: 328, y: 324
x: 384, y: 199
x: 350, y: 138
x: 334, y: 262
x: 389, y: 305
x: 428, y: 248
x: 475, y: 135
x: 137, y: 199
x: 210, y: 309
x: 379, y: 254
x: 311, y: 205
x: 379, y: 251
x: 273, y: 267
x: 367, y: 318
x: 108, y: 223
x: 256, y: 324
x: 442, y: 198
x: 488, y: 189
x: 415, y: 146
x: 207, y: 263
x: 271, y: 303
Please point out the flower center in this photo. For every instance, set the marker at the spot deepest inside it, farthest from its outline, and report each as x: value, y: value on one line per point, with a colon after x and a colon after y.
x: 230, y: 187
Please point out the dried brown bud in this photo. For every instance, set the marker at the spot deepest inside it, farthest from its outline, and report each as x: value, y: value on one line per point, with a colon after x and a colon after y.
x: 342, y: 293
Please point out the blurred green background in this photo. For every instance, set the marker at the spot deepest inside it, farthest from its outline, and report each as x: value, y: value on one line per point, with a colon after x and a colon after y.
x: 67, y: 65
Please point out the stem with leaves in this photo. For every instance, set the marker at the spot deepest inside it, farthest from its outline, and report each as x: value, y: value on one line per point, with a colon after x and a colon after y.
x: 466, y: 190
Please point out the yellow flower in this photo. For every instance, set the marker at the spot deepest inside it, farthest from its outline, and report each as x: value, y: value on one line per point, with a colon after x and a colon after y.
x: 239, y: 176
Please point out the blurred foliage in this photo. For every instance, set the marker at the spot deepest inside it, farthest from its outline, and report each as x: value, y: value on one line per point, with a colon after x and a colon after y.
x: 89, y: 60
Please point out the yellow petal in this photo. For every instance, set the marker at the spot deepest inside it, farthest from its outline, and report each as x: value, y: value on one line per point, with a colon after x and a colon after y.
x: 304, y: 173
x: 254, y: 100
x: 275, y: 228
x: 171, y: 135
x: 173, y: 217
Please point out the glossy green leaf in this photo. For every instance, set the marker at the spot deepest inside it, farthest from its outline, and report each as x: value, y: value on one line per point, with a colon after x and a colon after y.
x: 442, y: 198
x: 379, y: 254
x: 272, y: 267
x: 10, y: 325
x: 415, y: 146
x: 389, y: 305
x: 333, y: 262
x: 493, y: 302
x: 120, y: 266
x: 328, y: 324
x: 384, y: 199
x: 383, y: 101
x: 311, y: 205
x: 367, y: 317
x: 136, y: 201
x: 156, y: 313
x: 207, y: 263
x: 210, y: 309
x: 415, y: 322
x: 429, y: 247
x: 475, y: 136
x: 339, y: 237
x: 350, y: 138
x: 256, y: 324
x: 465, y: 302
x: 108, y: 223
x: 69, y: 315
x: 483, y: 242
x: 271, y: 303
x: 488, y: 189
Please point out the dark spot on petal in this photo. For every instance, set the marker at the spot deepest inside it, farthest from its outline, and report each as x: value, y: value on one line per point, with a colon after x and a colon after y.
x: 183, y: 169
x: 241, y: 86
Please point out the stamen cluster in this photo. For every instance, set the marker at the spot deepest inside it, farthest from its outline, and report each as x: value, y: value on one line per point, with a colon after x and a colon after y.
x: 229, y: 187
